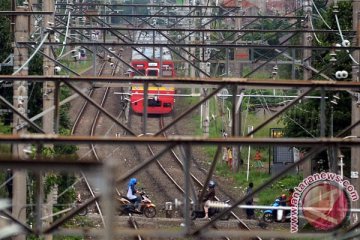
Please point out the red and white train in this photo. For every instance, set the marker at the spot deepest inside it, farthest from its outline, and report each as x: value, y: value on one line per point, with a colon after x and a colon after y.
x: 152, y: 62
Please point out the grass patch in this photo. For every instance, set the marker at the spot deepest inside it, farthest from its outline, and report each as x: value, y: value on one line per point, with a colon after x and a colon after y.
x: 77, y: 66
x: 266, y: 196
x: 257, y: 176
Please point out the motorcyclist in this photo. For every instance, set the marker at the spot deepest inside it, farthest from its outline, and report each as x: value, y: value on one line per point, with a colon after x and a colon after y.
x: 283, y: 200
x: 209, y: 196
x: 131, y: 194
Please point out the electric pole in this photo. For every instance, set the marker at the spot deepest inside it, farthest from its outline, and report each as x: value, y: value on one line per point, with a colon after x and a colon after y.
x: 20, y: 102
x: 307, y: 41
x: 49, y: 100
x: 236, y: 118
x: 48, y: 70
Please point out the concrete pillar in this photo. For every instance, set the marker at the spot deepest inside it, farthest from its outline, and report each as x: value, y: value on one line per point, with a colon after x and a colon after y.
x: 20, y: 101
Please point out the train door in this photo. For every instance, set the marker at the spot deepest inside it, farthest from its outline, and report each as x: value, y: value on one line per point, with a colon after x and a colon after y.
x: 152, y: 72
x: 154, y: 100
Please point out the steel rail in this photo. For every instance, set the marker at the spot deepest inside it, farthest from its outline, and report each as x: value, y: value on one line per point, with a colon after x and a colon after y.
x: 208, y: 234
x: 97, y: 115
x: 132, y: 222
x: 196, y: 180
x: 143, y: 164
x: 104, y: 111
x: 313, y: 151
x: 82, y: 109
x: 69, y: 215
x: 92, y: 130
x: 166, y: 172
x: 75, y: 125
x: 163, y: 169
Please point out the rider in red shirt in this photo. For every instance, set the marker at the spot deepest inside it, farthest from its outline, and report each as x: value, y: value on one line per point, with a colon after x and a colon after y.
x: 288, y: 201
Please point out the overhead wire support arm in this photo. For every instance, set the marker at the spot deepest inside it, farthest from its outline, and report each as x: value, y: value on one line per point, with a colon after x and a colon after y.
x: 172, y: 29
x: 79, y: 5
x: 175, y: 16
x: 245, y: 82
x: 194, y: 45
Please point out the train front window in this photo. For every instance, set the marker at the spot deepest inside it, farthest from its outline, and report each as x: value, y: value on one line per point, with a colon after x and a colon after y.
x: 153, y: 73
x: 154, y: 102
x: 167, y: 73
x: 141, y: 71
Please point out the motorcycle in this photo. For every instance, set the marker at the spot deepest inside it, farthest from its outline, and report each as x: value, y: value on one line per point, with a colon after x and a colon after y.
x: 271, y: 215
x: 147, y: 208
x: 199, y: 212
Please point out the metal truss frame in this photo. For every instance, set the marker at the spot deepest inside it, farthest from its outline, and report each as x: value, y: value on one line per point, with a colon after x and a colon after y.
x: 172, y: 142
x: 215, y: 84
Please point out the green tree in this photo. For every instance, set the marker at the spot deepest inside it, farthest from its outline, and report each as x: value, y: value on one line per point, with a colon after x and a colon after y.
x: 304, y: 119
x: 307, y: 113
x: 5, y: 36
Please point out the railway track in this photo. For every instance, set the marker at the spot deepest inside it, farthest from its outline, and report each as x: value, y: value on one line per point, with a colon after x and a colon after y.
x: 171, y: 168
x: 133, y: 224
x: 241, y: 224
x: 83, y: 120
x: 169, y: 183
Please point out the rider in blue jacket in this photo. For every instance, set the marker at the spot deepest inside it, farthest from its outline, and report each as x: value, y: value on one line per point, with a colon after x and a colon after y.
x: 131, y: 193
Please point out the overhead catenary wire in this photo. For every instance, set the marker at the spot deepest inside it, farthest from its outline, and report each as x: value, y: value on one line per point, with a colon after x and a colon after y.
x: 312, y: 28
x: 66, y: 35
x: 342, y: 38
x: 298, y: 124
x: 34, y: 53
x: 317, y: 10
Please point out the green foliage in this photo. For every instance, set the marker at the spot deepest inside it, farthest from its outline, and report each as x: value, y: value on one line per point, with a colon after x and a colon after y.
x: 321, y: 59
x: 67, y: 150
x: 303, y: 120
x: 64, y: 181
x: 267, y: 195
x: 267, y: 37
x: 51, y: 180
x: 36, y: 64
x: 3, y: 192
x: 5, y: 36
x: 5, y: 129
x: 56, y: 237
